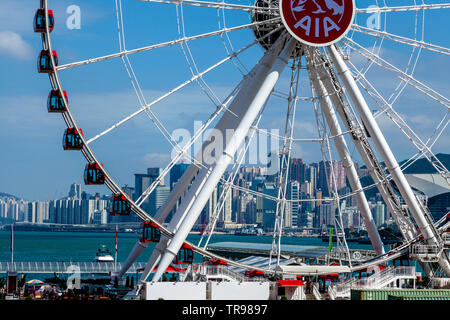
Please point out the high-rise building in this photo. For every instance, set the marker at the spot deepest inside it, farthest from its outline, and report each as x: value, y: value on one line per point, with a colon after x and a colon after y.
x: 225, y: 211
x: 177, y: 172
x: 326, y: 180
x: 297, y: 170
x: 378, y: 213
x: 143, y: 182
x: 269, y: 206
x: 311, y: 176
x: 38, y: 212
x: 75, y: 191
x: 157, y: 198
x: 293, y: 194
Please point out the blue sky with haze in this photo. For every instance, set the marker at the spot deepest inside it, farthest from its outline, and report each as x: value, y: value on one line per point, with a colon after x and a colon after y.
x: 33, y: 164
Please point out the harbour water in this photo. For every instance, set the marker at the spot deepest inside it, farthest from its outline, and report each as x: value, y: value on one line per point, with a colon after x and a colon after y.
x: 81, y: 247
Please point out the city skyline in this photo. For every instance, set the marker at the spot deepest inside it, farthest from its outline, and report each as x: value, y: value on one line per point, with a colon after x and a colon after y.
x: 33, y: 136
x: 240, y: 207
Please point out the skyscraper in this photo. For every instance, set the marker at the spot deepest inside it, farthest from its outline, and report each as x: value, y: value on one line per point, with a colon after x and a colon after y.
x: 297, y: 170
x: 293, y: 193
x: 75, y: 191
x: 177, y: 172
x: 142, y: 182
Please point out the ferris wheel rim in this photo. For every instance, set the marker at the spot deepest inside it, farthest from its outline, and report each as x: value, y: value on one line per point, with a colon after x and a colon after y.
x: 89, y: 155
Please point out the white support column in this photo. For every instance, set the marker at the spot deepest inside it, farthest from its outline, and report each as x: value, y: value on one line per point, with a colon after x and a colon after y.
x: 230, y: 116
x: 229, y: 120
x: 367, y: 155
x: 385, y: 152
x: 134, y: 254
x: 275, y: 64
x: 344, y: 154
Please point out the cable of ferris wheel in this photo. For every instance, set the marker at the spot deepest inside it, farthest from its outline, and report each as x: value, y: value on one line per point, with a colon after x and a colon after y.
x: 400, y: 74
x: 215, y: 5
x: 237, y: 62
x: 172, y: 91
x: 377, y: 137
x: 190, y: 59
x: 423, y: 148
x: 161, y: 45
x: 416, y: 7
x: 401, y: 39
x: 278, y: 137
x: 283, y: 174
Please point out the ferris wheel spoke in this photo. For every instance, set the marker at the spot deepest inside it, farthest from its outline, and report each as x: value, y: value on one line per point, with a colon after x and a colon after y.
x: 161, y: 45
x: 416, y: 7
x: 408, y: 79
x: 396, y: 38
x: 214, y: 5
x: 423, y: 148
x: 183, y: 152
x: 174, y: 90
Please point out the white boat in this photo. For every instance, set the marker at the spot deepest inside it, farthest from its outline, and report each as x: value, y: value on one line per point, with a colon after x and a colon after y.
x: 103, y: 255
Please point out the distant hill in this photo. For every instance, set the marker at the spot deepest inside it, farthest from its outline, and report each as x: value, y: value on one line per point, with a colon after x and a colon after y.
x: 421, y: 166
x: 10, y: 196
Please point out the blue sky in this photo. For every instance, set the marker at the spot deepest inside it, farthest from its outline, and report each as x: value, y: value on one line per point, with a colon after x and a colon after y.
x: 33, y: 164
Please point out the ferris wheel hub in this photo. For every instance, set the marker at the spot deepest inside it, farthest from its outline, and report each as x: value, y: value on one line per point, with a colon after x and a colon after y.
x: 261, y: 30
x: 317, y: 22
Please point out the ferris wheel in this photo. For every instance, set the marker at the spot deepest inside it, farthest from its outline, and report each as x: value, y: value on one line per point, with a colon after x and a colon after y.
x: 353, y: 67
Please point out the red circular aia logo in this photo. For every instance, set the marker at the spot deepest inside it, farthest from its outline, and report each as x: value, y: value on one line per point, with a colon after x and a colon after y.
x: 317, y: 22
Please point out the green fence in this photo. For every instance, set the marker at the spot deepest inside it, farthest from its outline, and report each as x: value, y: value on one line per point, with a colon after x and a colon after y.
x: 400, y: 294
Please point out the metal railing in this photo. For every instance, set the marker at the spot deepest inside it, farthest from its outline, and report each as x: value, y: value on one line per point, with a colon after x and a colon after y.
x: 66, y: 267
x: 332, y: 292
x: 316, y: 292
x: 426, y: 251
x: 376, y: 281
x: 222, y: 271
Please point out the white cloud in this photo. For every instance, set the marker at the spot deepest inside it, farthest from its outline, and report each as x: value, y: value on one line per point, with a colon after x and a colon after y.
x: 13, y: 45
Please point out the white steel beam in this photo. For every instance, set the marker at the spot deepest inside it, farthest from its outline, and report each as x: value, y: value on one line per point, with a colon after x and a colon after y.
x: 367, y: 155
x: 275, y: 63
x: 344, y: 154
x: 134, y: 254
x: 229, y: 120
x: 380, y: 142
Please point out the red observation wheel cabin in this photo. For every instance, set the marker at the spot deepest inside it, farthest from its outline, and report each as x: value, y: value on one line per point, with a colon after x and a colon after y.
x: 55, y: 102
x: 40, y: 21
x: 119, y: 206
x: 149, y: 232
x: 45, y: 61
x: 185, y: 255
x: 93, y: 174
